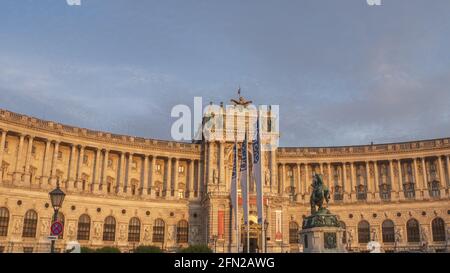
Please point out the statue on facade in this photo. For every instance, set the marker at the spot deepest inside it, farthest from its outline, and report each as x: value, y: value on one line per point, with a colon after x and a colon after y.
x: 320, y: 192
x: 241, y: 101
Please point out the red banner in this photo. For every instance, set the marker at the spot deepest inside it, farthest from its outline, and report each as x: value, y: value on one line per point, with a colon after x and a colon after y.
x: 220, y: 223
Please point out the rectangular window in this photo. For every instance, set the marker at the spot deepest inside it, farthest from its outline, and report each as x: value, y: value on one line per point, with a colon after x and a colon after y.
x: 85, y: 159
x: 60, y: 155
x: 158, y: 168
x: 181, y: 169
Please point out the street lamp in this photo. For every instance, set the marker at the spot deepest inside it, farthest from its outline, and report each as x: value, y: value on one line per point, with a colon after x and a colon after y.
x: 56, y: 198
x: 266, y: 226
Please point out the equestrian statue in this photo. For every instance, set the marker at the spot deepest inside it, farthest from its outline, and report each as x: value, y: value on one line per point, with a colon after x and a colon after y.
x: 320, y: 192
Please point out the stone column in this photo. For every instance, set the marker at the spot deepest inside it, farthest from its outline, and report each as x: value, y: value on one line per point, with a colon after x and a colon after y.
x: 426, y: 194
x: 394, y: 185
x: 417, y: 187
x: 369, y: 185
x: 127, y: 186
x: 144, y: 190
x: 80, y: 168
x: 447, y: 184
x: 96, y: 176
x: 168, y: 189
x: 121, y: 182
x: 175, y: 178
x: 307, y: 182
x: 273, y: 170
x: 18, y: 171
x: 103, y: 183
x: 72, y: 168
x: 442, y: 179
x: 54, y: 163
x: 46, y: 160
x: 191, y: 178
x: 400, y: 180
x: 283, y: 178
x: 210, y: 169
x: 152, y: 177
x: 222, y: 164
x: 199, y: 179
x: 376, y: 183
x: 346, y: 183
x: 299, y: 181
x: 27, y: 161
x: 2, y: 152
x: 353, y: 181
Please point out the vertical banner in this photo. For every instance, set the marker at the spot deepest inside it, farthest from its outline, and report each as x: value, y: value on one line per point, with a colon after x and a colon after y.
x: 244, y: 182
x: 258, y: 174
x: 234, y: 195
x: 278, y: 226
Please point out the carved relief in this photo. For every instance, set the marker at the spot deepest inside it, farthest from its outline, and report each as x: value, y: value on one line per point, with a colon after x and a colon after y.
x: 71, y: 230
x: 97, y: 230
x: 122, y: 232
x: 147, y: 233
x: 45, y: 227
x: 17, y: 227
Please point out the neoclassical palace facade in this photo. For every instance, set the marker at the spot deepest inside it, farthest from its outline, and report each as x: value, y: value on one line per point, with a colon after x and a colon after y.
x: 127, y: 191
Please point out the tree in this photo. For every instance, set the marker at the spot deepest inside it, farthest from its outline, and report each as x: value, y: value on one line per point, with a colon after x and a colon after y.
x: 196, y: 249
x: 148, y: 249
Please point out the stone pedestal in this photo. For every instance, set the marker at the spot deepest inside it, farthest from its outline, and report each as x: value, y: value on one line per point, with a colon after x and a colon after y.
x: 322, y: 233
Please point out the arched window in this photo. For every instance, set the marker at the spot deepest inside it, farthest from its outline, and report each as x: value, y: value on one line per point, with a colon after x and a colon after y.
x: 134, y: 230
x: 84, y: 227
x: 182, y: 231
x: 158, y: 231
x: 60, y: 218
x: 438, y: 228
x: 30, y: 224
x: 4, y: 221
x: 109, y: 229
x: 293, y: 232
x: 388, y: 232
x: 344, y: 236
x: 413, y: 231
x: 363, y: 232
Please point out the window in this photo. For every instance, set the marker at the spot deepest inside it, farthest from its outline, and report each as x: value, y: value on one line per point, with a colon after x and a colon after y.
x: 134, y: 165
x: 27, y: 249
x: 60, y: 218
x: 388, y: 232
x: 293, y: 233
x: 344, y: 236
x: 4, y: 221
x: 434, y: 189
x: 182, y: 232
x: 84, y: 227
x: 33, y: 150
x: 134, y: 230
x: 438, y: 228
x: 363, y: 232
x: 30, y: 224
x: 413, y: 231
x: 158, y: 168
x: 110, y: 163
x: 109, y: 229
x: 6, y: 145
x: 158, y: 231
x: 180, y: 169
x: 60, y: 155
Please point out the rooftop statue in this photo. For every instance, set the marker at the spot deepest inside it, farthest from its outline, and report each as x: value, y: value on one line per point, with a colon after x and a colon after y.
x: 241, y: 101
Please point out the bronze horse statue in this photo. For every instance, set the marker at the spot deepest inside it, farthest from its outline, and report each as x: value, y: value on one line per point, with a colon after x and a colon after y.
x: 320, y: 192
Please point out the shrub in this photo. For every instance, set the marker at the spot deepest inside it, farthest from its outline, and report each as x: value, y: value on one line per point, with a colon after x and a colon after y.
x: 148, y: 249
x: 196, y: 249
x: 84, y: 249
x: 108, y: 249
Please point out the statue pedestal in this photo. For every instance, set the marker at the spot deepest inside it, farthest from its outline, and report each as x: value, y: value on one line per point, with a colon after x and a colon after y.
x: 322, y: 233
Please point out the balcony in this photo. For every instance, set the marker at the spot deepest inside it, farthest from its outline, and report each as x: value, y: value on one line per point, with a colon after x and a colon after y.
x: 338, y: 195
x: 361, y: 193
x: 409, y: 190
x: 434, y: 189
x: 385, y: 192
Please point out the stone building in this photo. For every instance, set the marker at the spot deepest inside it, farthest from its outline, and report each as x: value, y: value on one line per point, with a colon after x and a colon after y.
x: 127, y: 191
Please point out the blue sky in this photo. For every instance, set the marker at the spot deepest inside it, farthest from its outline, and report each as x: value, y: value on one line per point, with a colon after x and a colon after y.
x: 342, y: 72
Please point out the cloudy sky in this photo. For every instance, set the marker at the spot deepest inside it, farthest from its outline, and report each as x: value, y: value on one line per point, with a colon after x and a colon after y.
x: 342, y: 72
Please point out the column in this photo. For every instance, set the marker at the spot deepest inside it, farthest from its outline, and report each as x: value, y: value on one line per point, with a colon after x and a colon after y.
x: 400, y: 179
x: 283, y: 178
x: 394, y: 185
x: 144, y: 190
x: 299, y: 181
x: 79, y: 168
x: 47, y: 159
x: 369, y: 185
x: 96, y: 176
x: 447, y: 184
x: 175, y: 178
x: 376, y: 183
x: 209, y: 162
x: 417, y: 187
x: 127, y: 187
x: 222, y: 164
x: 330, y: 182
x: 346, y: 183
x: 442, y: 176
x: 191, y: 179
x: 103, y: 183
x: 307, y: 182
x: 54, y: 163
x: 273, y: 170
x: 353, y: 180
x: 17, y: 176
x: 2, y: 152
x: 27, y: 161
x: 121, y: 182
x: 168, y: 168
x: 152, y: 177
x: 199, y: 179
x: 72, y: 168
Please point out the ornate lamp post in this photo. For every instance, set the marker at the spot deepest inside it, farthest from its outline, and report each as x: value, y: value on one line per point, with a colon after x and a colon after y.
x: 56, y: 198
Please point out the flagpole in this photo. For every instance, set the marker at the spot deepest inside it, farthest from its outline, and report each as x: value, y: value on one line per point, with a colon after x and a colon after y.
x: 246, y: 192
x: 237, y: 224
x: 262, y: 178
